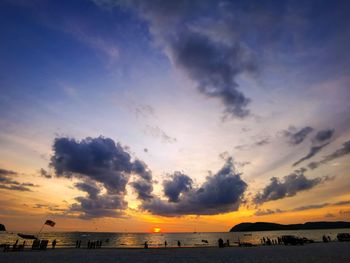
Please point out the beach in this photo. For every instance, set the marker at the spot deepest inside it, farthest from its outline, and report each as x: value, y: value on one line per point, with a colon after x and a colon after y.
x: 318, y: 252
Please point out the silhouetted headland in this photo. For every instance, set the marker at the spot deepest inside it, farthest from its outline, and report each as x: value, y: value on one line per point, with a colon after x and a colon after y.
x: 266, y: 226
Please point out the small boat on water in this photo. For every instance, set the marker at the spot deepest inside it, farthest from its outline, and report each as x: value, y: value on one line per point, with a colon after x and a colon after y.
x: 26, y: 236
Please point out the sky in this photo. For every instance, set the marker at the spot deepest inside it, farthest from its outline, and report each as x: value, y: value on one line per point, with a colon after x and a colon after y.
x: 125, y: 116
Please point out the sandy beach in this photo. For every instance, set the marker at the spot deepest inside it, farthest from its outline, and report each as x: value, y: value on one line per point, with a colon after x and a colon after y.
x: 318, y: 252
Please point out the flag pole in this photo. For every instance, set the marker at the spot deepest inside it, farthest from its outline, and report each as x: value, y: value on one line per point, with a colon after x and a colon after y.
x: 41, y: 229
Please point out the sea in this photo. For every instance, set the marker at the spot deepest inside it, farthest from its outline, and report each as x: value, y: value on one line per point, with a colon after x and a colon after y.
x: 157, y: 240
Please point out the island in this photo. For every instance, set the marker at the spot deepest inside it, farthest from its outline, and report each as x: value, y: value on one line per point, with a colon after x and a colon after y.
x: 266, y: 226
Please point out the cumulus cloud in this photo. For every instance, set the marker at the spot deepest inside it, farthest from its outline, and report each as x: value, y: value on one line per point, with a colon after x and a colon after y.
x: 221, y: 192
x: 296, y: 136
x: 179, y: 183
x: 289, y: 186
x: 344, y: 150
x: 213, y: 64
x: 319, y: 141
x: 7, y: 182
x: 99, y: 163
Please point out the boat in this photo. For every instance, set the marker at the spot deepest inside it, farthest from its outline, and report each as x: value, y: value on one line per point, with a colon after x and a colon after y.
x: 26, y: 236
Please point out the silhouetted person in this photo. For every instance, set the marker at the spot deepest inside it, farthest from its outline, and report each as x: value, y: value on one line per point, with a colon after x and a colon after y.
x: 178, y: 243
x: 325, y: 239
x: 54, y: 244
x: 76, y: 244
x: 15, y: 245
x: 268, y: 241
x: 88, y: 244
x: 329, y: 239
x: 165, y: 243
x: 220, y: 242
x: 228, y: 243
x: 146, y: 245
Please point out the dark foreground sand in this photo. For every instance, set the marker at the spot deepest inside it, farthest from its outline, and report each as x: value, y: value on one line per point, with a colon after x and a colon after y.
x: 317, y: 253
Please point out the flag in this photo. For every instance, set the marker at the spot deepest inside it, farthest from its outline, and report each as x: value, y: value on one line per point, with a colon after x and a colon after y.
x: 50, y: 223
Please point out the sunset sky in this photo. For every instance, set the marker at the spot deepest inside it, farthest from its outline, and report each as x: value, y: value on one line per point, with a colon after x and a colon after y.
x: 127, y: 116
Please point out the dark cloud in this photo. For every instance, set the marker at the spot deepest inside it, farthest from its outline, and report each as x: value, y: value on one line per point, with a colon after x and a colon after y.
x: 157, y: 132
x: 295, y: 136
x: 220, y: 193
x: 289, y: 186
x: 178, y: 184
x: 143, y: 189
x: 319, y: 141
x: 96, y: 204
x: 312, y: 152
x: 211, y: 63
x: 323, y: 136
x: 7, y: 182
x: 99, y: 163
x: 345, y: 150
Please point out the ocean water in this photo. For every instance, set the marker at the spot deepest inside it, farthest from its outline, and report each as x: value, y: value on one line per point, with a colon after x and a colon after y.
x: 134, y: 240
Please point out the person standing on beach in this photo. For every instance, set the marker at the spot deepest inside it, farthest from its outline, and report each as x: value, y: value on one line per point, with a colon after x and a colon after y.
x: 54, y: 244
x: 178, y: 243
x: 165, y: 243
x: 146, y: 245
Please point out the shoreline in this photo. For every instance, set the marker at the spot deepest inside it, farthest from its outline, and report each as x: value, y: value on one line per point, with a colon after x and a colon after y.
x: 315, y: 252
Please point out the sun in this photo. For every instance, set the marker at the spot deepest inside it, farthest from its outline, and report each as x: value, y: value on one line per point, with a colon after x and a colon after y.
x: 157, y: 230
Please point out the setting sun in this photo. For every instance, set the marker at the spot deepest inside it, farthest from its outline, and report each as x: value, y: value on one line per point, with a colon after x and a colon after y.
x: 157, y: 230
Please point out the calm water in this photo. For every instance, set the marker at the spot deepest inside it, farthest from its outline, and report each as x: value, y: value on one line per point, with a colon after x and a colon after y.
x: 68, y: 239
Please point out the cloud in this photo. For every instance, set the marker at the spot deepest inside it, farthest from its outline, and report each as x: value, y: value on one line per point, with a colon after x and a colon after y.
x: 344, y: 150
x: 179, y: 183
x: 45, y: 173
x: 220, y: 193
x: 295, y: 136
x: 256, y: 143
x: 289, y: 186
x: 319, y: 141
x: 261, y: 212
x: 309, y: 207
x: 268, y: 212
x: 99, y: 163
x: 213, y: 64
x: 8, y: 183
x: 157, y: 132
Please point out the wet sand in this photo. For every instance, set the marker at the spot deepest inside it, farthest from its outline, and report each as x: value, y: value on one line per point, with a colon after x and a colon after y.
x: 319, y: 253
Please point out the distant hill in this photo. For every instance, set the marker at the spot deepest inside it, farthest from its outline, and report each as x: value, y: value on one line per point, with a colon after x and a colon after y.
x: 265, y: 226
